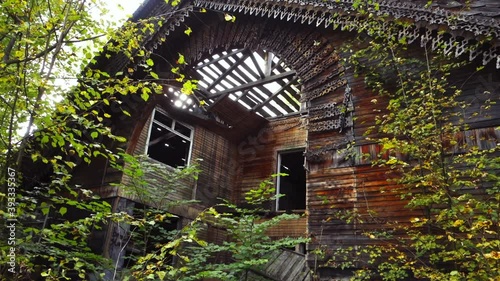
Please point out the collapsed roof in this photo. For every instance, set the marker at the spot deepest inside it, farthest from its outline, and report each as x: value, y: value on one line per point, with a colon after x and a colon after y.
x: 241, y: 77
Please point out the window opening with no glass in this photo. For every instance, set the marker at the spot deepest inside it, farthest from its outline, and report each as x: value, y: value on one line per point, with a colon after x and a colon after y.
x: 169, y: 141
x: 293, y: 186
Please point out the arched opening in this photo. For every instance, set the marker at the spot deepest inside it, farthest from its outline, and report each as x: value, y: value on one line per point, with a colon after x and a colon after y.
x: 258, y: 80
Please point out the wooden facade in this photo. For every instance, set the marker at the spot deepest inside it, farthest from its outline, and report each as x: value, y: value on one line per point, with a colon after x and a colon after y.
x: 239, y: 142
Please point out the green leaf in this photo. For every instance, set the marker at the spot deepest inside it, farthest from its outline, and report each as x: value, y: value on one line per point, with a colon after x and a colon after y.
x: 94, y: 135
x: 126, y: 113
x: 161, y: 274
x: 188, y: 31
x: 63, y: 211
x: 188, y: 87
x: 150, y: 62
x: 181, y: 59
x: 120, y: 139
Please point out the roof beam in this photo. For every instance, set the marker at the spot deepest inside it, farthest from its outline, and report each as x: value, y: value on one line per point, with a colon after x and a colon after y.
x: 254, y: 60
x: 218, y: 59
x: 268, y: 57
x: 275, y: 94
x: 227, y: 71
x: 257, y: 83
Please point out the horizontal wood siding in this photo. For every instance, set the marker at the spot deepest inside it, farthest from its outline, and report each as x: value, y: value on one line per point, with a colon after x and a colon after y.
x: 290, y: 228
x: 258, y: 154
x: 258, y: 161
x: 217, y: 161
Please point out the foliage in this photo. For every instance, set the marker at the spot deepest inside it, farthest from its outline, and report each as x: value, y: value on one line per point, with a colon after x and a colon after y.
x: 140, y: 184
x: 150, y: 222
x: 245, y: 246
x: 41, y: 43
x: 58, y: 104
x: 453, y: 183
x: 56, y: 112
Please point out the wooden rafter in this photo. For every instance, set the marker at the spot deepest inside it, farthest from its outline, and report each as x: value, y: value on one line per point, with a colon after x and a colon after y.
x: 259, y: 82
x: 228, y: 71
x: 254, y: 60
x: 202, y: 65
x: 274, y: 95
x: 243, y: 75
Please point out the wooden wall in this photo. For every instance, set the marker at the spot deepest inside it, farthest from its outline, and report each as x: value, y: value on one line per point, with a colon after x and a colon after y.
x: 257, y: 161
x: 218, y: 166
x: 336, y: 184
x: 338, y: 187
x: 216, y: 157
x: 258, y: 154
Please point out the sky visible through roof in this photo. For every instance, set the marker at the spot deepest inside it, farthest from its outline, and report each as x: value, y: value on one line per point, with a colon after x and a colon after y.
x: 258, y: 80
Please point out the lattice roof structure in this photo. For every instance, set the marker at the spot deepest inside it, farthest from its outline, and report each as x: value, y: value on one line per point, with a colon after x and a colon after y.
x: 258, y: 80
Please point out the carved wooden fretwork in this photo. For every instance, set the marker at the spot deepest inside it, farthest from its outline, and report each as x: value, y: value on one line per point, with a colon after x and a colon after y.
x: 329, y: 117
x: 332, y: 116
x: 340, y: 13
x: 462, y: 30
x: 320, y: 154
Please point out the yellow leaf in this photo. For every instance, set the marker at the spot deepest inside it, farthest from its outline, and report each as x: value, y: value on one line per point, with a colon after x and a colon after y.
x: 229, y: 17
x: 458, y: 223
x: 154, y: 75
x: 392, y: 161
x: 181, y: 59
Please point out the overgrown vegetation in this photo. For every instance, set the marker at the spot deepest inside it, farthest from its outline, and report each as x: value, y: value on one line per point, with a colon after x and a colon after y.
x: 441, y: 170
x: 243, y: 245
x: 452, y: 182
x: 56, y: 115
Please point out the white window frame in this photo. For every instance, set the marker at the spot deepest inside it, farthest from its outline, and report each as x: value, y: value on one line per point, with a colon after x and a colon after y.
x: 278, y: 178
x: 171, y: 129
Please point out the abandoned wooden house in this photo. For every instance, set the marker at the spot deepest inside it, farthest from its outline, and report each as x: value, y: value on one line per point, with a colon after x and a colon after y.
x: 274, y: 96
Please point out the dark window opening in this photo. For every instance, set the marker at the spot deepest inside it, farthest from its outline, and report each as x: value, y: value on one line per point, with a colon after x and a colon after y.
x: 169, y: 141
x: 293, y: 186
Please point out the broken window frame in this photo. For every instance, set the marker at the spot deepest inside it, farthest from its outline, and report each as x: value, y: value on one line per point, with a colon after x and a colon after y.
x: 279, y: 180
x: 170, y: 128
